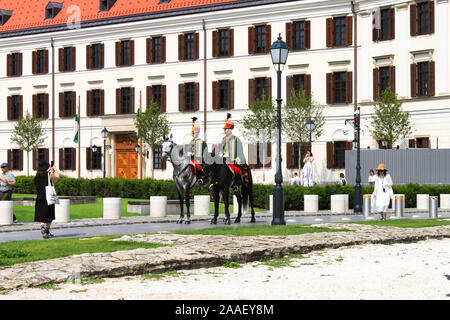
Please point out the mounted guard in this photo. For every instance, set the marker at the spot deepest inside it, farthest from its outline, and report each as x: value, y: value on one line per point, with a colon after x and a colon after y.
x: 197, y: 149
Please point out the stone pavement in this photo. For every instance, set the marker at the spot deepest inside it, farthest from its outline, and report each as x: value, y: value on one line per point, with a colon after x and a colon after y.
x: 198, y: 251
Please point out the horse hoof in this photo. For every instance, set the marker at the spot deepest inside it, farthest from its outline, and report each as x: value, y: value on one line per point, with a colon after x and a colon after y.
x: 187, y: 222
x: 227, y: 221
x: 180, y: 221
x: 253, y: 220
x: 237, y: 220
x: 214, y: 221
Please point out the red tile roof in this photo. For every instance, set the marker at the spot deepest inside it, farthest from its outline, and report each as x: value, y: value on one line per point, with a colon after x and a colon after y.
x: 31, y: 13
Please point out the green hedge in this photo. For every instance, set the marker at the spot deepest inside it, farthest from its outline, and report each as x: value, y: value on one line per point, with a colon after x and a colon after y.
x: 143, y: 189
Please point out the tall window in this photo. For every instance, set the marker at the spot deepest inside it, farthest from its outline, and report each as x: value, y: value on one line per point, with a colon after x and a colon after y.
x: 189, y: 96
x: 157, y: 94
x: 16, y: 163
x: 125, y: 49
x: 189, y: 45
x: 299, y: 35
x: 157, y: 161
x: 223, y: 43
x: 299, y: 82
x: 384, y: 77
x: 125, y: 102
x: 96, y: 107
x: 94, y: 158
x: 67, y: 59
x: 223, y: 94
x: 40, y: 105
x: 15, y: 64
x: 423, y: 78
x: 15, y: 108
x: 260, y: 39
x: 41, y: 61
x: 67, y: 158
x: 260, y: 88
x: 68, y: 104
x: 157, y: 49
x: 339, y: 31
x: 339, y: 87
x: 95, y: 56
x: 423, y: 17
x: 385, y: 24
x: 339, y: 155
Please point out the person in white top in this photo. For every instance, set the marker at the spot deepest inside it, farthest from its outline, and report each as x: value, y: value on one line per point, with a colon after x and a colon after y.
x: 372, y: 177
x: 308, y: 171
x: 295, y: 180
x: 383, y: 191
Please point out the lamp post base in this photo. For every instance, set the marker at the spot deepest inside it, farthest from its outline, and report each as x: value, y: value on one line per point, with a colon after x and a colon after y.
x: 278, y: 206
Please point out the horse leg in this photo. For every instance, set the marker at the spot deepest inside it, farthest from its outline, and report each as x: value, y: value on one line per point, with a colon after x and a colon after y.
x: 188, y: 203
x: 216, y: 205
x: 250, y: 195
x: 226, y: 203
x: 239, y: 200
x: 180, y: 198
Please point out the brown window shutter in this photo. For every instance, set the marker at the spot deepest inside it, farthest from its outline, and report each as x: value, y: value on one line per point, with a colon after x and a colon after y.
x: 20, y: 63
x: 163, y: 49
x: 132, y: 100
x: 88, y: 57
x: 61, y: 159
x: 376, y: 35
x: 34, y: 62
x: 61, y: 59
x: 9, y: 65
x: 268, y: 88
x: 20, y: 160
x: 118, y: 54
x: 348, y: 145
x: 181, y: 47
x: 131, y: 52
x: 61, y: 104
x: 74, y: 58
x: 46, y: 61
x: 73, y: 159
x: 197, y: 96
x: 431, y: 78
x: 196, y: 45
x: 289, y: 87
x: 102, y: 55
x: 102, y: 102
x: 308, y: 86
x: 35, y: 105
x: 9, y: 106
x: 330, y: 155
x: 268, y: 155
x: 268, y: 37
x: 88, y: 158
x: 307, y: 34
x: 413, y: 19
x: 348, y: 86
x: 163, y: 98
x: 412, y: 143
x: 392, y: 23
x: 392, y: 78
x: 215, y: 43
x: 329, y: 32
x: 376, y: 83
x: 252, y: 156
x: 348, y: 30
x: 46, y: 105
x: 149, y: 50
x: 215, y: 95
x: 431, y: 16
x: 289, y: 155
x: 74, y: 104
x: 414, y: 80
x: 230, y: 42
x: 20, y: 107
x: 251, y: 40
x: 118, y: 100
x: 290, y: 35
x: 330, y: 88
x: 251, y: 91
x: 181, y: 97
x: 149, y: 95
x: 163, y: 164
x: 35, y: 160
x: 89, y: 103
x: 230, y: 94
x: 428, y: 143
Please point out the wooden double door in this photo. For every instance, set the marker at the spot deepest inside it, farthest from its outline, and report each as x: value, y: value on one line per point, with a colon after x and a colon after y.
x: 126, y: 157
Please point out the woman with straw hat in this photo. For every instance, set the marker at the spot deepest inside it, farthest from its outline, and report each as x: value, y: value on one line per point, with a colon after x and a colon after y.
x: 382, y: 193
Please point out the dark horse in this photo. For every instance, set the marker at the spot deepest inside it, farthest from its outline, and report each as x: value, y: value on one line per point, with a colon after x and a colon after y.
x: 183, y: 175
x: 221, y: 180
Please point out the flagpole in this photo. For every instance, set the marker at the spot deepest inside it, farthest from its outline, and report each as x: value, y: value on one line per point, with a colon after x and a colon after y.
x: 79, y: 139
x: 141, y: 149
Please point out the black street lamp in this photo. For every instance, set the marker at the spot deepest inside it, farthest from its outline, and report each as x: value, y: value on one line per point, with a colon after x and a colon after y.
x: 310, y: 127
x: 104, y: 135
x: 279, y: 51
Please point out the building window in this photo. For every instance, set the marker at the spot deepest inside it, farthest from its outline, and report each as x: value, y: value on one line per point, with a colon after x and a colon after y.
x: 67, y: 158
x: 223, y: 94
x: 125, y: 50
x: 157, y: 161
x: 385, y: 24
x: 125, y: 53
x: 105, y: 5
x: 96, y: 55
x: 157, y: 50
x: 94, y: 158
x: 41, y: 61
x: 424, y: 22
x: 336, y: 153
x: 157, y: 94
x: 189, y: 45
x: 189, y: 96
x: 52, y: 9
x: 67, y: 59
x: 260, y: 44
x: 295, y: 153
x: 299, y: 35
x: 423, y: 79
x: 299, y: 82
x: 15, y: 108
x: 96, y: 107
x: 383, y: 78
x: 258, y: 155
x: 40, y: 105
x: 339, y: 87
x: 16, y: 159
x: 125, y: 101
x: 38, y: 155
x: 260, y: 88
x: 14, y: 64
x: 223, y: 43
x: 339, y: 31
x: 4, y: 16
x: 422, y: 18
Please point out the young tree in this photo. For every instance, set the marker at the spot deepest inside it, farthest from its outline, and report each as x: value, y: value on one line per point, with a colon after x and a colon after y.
x: 28, y: 135
x: 390, y: 123
x: 152, y: 126
x: 298, y: 110
x: 259, y: 125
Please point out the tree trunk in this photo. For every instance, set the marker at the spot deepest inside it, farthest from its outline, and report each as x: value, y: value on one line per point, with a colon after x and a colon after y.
x: 151, y: 162
x: 28, y: 163
x: 264, y: 162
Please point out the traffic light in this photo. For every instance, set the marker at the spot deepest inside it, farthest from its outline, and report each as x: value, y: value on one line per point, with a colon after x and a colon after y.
x: 356, y: 120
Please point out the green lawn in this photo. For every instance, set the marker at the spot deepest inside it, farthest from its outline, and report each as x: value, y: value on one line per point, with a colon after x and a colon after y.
x: 264, y: 230
x: 91, y: 210
x: 27, y: 251
x: 409, y: 223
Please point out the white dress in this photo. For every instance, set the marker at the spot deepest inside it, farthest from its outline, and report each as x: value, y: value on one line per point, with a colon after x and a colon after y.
x: 308, y: 174
x: 380, y: 197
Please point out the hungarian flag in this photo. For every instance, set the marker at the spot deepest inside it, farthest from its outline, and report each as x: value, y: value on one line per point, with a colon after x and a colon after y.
x: 76, y: 129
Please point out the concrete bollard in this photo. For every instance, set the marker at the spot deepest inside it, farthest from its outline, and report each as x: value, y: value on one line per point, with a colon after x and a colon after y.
x: 339, y: 203
x: 6, y: 213
x: 311, y: 202
x: 423, y: 202
x: 111, y: 208
x: 62, y: 210
x: 433, y: 205
x: 158, y: 206
x: 202, y: 206
x: 271, y: 203
x: 444, y: 201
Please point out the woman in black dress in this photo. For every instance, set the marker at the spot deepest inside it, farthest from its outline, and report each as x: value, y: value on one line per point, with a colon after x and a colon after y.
x: 44, y: 213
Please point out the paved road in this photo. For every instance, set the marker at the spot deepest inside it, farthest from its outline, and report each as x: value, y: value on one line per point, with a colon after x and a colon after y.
x: 148, y: 227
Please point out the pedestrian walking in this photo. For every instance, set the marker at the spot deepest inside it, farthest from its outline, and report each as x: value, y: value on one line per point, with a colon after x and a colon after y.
x: 44, y: 213
x: 383, y: 191
x: 308, y: 171
x: 372, y: 177
x: 7, y: 182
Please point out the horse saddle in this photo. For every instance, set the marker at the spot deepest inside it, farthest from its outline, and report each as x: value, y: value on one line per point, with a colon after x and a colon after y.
x: 236, y: 170
x: 196, y: 169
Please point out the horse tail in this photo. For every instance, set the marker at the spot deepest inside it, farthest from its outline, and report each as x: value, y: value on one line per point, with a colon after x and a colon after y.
x: 247, y: 188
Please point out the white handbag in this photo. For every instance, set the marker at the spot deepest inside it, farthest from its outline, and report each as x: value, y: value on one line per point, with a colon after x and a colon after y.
x: 50, y: 193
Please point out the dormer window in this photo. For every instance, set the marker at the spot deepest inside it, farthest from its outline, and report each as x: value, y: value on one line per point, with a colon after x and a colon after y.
x: 4, y: 16
x: 105, y: 5
x: 52, y: 9
x: 163, y: 1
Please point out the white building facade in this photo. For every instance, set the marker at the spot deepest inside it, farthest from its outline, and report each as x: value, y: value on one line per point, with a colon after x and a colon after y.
x: 108, y: 70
